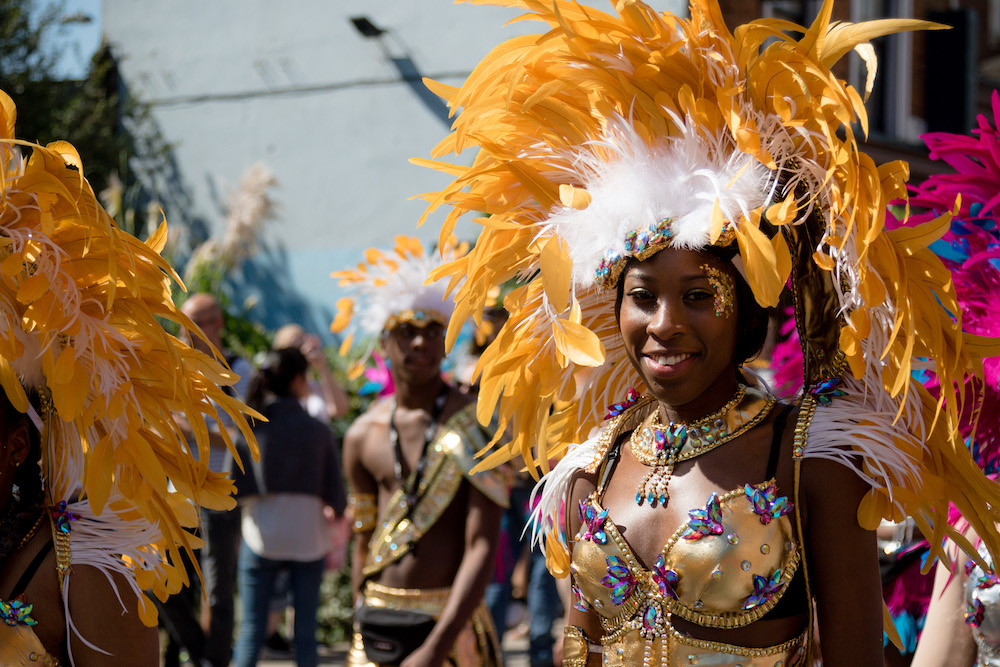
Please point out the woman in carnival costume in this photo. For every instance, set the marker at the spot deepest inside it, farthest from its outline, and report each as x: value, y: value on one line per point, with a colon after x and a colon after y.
x: 963, y: 621
x: 88, y: 442
x: 657, y: 182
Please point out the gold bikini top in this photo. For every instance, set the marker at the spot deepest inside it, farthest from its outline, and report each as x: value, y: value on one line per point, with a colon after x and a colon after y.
x: 20, y: 646
x: 727, y: 567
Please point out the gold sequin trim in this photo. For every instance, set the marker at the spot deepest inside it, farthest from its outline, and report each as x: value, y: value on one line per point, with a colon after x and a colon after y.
x: 428, y: 600
x: 725, y: 289
x: 364, y: 509
x: 64, y: 556
x: 575, y: 647
x: 737, y: 650
x: 419, y: 317
x: 806, y: 413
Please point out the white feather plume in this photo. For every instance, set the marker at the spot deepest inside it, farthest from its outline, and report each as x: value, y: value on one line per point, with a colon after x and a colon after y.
x: 633, y: 185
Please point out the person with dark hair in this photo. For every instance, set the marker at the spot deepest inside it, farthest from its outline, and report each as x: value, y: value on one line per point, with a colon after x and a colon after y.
x: 90, y: 382
x: 656, y: 182
x: 283, y: 500
x: 326, y: 400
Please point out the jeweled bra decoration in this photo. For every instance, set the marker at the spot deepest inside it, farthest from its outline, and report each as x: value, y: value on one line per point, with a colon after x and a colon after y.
x: 662, y: 446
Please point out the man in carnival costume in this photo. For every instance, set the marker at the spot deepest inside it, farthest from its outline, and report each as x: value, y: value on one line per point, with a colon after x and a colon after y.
x: 89, y: 521
x: 426, y: 527
x: 621, y: 154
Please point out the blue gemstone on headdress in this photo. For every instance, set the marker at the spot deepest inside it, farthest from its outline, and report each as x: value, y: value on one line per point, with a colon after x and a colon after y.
x: 630, y: 241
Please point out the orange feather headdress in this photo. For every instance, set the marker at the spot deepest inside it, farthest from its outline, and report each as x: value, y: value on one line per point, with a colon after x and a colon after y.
x: 79, y: 307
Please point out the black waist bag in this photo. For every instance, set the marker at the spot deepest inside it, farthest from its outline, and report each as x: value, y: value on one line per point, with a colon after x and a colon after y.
x: 389, y: 635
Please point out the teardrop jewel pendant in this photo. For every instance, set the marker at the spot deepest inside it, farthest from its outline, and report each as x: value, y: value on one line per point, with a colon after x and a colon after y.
x: 657, y: 447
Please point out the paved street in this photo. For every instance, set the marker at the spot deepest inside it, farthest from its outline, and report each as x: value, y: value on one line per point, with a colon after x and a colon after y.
x: 515, y: 654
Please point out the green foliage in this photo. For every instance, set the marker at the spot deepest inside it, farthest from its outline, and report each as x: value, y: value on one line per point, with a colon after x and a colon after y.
x: 24, y: 64
x: 241, y: 334
x: 336, y: 611
x: 358, y: 402
x: 106, y: 129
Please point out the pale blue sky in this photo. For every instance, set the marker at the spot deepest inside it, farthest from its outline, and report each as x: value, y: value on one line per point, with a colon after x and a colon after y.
x: 79, y: 41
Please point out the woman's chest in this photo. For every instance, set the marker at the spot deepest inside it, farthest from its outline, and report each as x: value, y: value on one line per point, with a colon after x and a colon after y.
x: 706, y: 553
x: 649, y: 527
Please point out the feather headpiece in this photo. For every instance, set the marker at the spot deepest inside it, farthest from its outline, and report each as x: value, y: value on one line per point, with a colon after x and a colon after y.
x: 755, y: 135
x: 388, y: 289
x: 79, y: 307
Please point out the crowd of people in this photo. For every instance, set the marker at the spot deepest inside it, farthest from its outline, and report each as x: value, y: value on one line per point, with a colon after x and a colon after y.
x: 760, y: 390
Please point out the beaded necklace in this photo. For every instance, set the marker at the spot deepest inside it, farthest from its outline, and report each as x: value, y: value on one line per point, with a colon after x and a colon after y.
x: 412, y: 493
x: 662, y: 446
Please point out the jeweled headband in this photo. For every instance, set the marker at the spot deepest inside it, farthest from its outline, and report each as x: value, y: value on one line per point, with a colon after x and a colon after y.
x: 643, y: 244
x: 418, y: 317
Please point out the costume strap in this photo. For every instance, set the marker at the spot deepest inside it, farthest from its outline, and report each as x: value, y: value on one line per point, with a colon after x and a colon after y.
x: 801, y: 430
x: 29, y: 572
x: 548, y: 521
x: 411, y: 486
x: 608, y: 465
x: 449, y: 462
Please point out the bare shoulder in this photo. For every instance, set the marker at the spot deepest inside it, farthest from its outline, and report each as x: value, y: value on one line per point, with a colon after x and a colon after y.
x: 105, y: 612
x: 830, y: 491
x: 456, y: 402
x: 374, y: 418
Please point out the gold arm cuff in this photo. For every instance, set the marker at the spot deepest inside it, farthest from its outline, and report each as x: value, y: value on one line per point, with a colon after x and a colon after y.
x: 364, y: 509
x: 575, y: 647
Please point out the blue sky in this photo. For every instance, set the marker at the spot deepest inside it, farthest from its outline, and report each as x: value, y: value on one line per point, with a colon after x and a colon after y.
x: 79, y: 40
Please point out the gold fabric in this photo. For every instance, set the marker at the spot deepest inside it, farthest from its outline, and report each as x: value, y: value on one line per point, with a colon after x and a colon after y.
x: 677, y: 650
x: 364, y: 510
x: 449, y: 461
x: 575, y: 647
x: 20, y: 646
x: 714, y: 582
x: 715, y: 573
x: 476, y: 646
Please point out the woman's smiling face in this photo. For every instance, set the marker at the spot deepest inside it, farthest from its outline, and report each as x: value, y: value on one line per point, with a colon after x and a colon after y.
x: 678, y: 321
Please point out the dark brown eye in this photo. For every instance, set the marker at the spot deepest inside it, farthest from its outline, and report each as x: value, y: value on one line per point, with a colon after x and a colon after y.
x: 639, y: 294
x: 699, y: 294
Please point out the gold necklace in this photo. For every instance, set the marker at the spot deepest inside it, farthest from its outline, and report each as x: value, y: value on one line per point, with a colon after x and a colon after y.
x: 662, y: 446
x: 34, y: 529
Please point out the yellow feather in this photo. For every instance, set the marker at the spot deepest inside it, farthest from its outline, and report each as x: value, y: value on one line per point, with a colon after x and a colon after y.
x: 557, y: 273
x: 578, y: 343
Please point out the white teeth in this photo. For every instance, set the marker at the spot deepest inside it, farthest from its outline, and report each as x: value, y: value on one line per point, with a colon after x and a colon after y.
x: 670, y: 361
